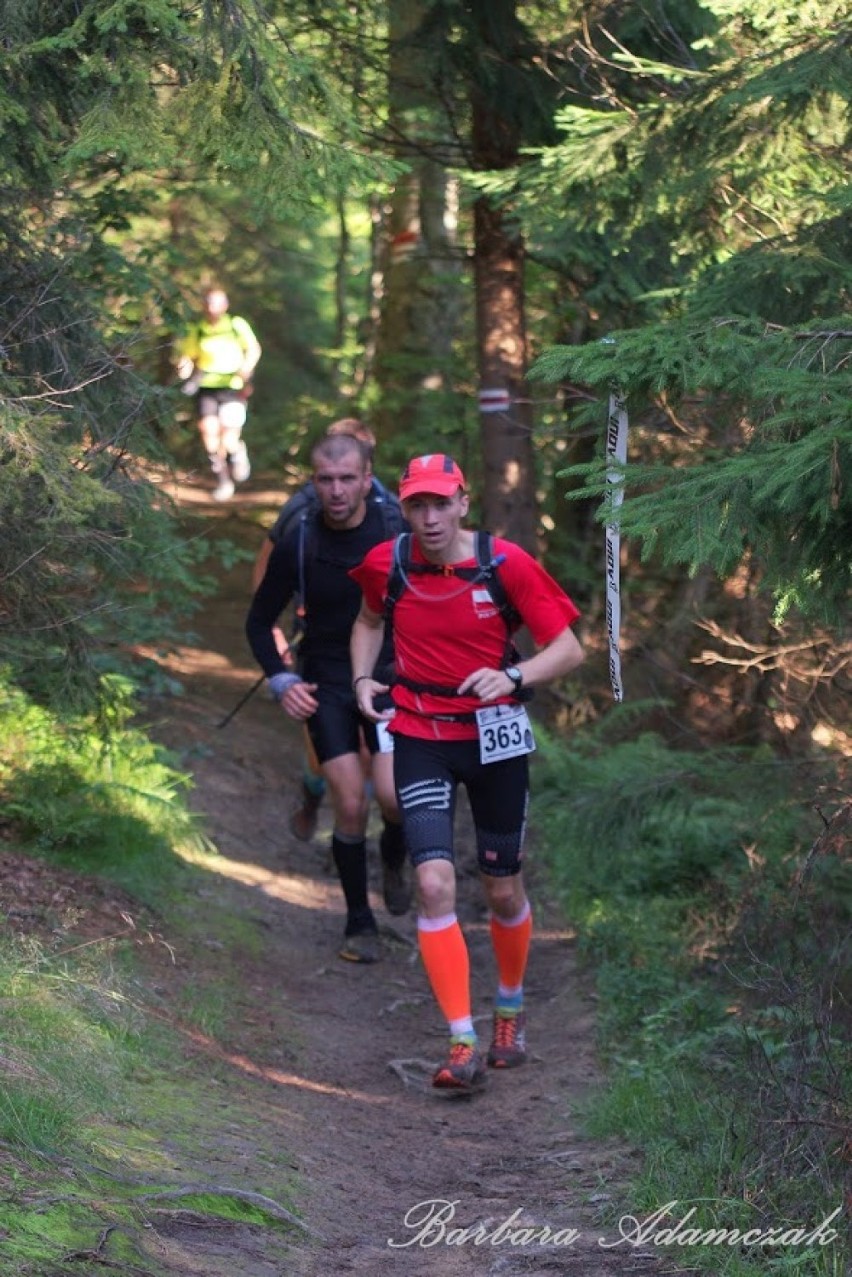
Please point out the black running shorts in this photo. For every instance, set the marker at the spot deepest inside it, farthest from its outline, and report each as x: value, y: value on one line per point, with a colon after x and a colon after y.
x: 427, y: 775
x: 336, y: 726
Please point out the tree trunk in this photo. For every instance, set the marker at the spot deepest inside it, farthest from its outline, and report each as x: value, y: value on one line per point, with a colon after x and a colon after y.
x: 506, y: 422
x: 421, y: 303
x: 368, y: 328
x: 506, y: 418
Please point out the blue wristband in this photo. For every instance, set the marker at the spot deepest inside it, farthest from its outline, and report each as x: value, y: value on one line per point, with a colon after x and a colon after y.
x: 281, y: 683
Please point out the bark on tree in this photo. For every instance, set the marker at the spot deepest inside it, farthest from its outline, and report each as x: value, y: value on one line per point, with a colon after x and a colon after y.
x: 506, y: 424
x: 421, y: 303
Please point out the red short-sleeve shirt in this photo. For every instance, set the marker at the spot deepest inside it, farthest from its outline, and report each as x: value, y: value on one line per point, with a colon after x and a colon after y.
x: 444, y: 628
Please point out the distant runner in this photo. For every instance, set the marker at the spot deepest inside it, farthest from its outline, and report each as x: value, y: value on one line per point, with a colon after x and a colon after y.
x: 216, y: 361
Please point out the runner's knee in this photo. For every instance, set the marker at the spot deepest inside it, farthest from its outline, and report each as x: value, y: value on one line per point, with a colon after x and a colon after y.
x: 350, y: 809
x: 505, y: 895
x: 436, y: 884
x: 389, y: 809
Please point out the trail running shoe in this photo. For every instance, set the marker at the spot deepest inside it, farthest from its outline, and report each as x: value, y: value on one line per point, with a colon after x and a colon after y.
x: 508, y: 1046
x: 224, y: 489
x: 395, y: 888
x: 362, y: 947
x: 464, y: 1070
x: 303, y: 819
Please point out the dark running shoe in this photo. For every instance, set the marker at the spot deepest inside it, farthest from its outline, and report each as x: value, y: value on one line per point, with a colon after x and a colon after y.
x: 464, y: 1070
x: 362, y: 947
x: 395, y: 888
x: 508, y: 1046
x: 303, y: 819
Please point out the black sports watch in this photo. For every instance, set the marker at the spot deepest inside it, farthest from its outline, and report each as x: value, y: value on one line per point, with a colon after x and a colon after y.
x: 512, y: 672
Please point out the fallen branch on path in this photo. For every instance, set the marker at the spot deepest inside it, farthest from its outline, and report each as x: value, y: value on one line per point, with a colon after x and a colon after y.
x: 412, y: 1001
x: 241, y: 1194
x: 96, y: 1256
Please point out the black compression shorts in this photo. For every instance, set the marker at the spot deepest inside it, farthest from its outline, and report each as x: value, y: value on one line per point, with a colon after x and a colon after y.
x: 427, y: 774
x: 336, y: 726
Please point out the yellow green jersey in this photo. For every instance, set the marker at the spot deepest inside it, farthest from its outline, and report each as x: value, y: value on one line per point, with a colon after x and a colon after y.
x: 218, y: 351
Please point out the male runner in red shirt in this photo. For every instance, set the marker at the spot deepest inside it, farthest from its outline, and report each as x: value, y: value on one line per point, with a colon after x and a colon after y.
x: 457, y: 720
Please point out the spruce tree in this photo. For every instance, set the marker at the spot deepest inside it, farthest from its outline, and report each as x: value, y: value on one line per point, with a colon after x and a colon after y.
x: 711, y: 200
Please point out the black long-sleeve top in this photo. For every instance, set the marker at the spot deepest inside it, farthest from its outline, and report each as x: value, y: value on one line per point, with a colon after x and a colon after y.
x: 332, y: 599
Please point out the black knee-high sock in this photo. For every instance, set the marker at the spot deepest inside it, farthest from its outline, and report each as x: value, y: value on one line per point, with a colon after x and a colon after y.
x: 350, y: 859
x: 392, y: 844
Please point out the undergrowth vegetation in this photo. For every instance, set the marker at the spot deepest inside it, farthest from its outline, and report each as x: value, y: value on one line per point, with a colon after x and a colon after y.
x: 711, y: 892
x: 712, y: 895
x: 92, y: 1078
x: 69, y: 1034
x: 95, y: 790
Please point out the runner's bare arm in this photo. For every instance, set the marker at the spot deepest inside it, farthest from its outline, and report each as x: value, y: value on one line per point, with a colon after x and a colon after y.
x: 364, y: 648
x: 558, y: 657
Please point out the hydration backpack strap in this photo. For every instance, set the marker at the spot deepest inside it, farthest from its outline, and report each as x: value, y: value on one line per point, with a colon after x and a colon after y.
x: 486, y: 571
x: 303, y: 549
x: 489, y: 565
x: 399, y: 569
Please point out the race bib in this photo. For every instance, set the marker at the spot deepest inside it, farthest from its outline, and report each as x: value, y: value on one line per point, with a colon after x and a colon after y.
x: 504, y: 732
x: 385, y: 738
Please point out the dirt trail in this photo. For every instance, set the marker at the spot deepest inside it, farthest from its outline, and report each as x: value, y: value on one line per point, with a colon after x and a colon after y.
x: 335, y: 1058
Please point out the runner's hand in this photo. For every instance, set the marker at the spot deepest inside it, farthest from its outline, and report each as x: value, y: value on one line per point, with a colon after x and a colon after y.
x: 299, y: 701
x: 366, y: 690
x: 488, y: 685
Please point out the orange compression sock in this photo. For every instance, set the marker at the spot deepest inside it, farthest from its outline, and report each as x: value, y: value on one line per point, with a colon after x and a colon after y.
x: 511, y: 940
x: 445, y: 957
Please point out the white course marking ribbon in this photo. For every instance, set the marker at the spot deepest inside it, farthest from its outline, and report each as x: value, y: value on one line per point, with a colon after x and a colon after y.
x: 616, y: 451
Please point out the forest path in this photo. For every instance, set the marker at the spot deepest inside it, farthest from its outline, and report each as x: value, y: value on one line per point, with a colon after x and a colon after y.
x: 335, y: 1058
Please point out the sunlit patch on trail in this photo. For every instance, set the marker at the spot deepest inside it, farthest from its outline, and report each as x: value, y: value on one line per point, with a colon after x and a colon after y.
x: 238, y: 1060
x: 307, y: 892
x: 182, y: 660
